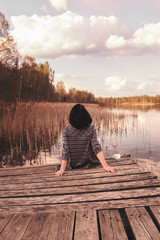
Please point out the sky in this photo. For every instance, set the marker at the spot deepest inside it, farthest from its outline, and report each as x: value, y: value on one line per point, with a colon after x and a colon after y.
x: 108, y: 47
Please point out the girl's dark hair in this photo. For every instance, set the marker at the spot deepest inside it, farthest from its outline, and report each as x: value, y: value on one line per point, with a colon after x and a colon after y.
x: 79, y: 117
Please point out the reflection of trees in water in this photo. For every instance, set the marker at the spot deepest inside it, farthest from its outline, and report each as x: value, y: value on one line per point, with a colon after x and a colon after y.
x: 29, y: 128
x: 142, y: 107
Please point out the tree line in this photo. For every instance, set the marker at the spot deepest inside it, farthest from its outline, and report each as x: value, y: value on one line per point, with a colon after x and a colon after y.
x: 129, y: 100
x: 22, y: 79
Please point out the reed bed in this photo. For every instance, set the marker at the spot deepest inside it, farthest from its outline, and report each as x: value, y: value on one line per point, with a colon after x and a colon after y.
x: 28, y: 128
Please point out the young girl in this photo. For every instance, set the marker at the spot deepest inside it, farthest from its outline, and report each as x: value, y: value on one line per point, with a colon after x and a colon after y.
x: 80, y: 146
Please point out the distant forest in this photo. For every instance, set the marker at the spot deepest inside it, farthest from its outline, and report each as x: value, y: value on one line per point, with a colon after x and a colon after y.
x: 22, y: 79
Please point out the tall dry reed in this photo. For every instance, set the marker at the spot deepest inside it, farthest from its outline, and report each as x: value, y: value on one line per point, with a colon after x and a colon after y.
x: 27, y: 128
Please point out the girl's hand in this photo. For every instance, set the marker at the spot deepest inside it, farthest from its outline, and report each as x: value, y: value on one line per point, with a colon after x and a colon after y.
x: 58, y: 173
x: 110, y: 169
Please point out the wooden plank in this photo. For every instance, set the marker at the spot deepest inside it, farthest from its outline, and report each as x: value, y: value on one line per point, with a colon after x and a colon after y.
x: 86, y: 226
x: 27, y: 170
x: 50, y: 168
x: 71, y: 182
x: 142, y: 225
x: 156, y: 212
x: 27, y: 179
x: 148, y: 223
x: 138, y: 229
x: 111, y: 225
x: 58, y: 226
x: 35, y: 226
x: 81, y: 189
x: 76, y: 172
x: 47, y: 225
x: 91, y: 197
x: 106, y: 179
x: 4, y: 219
x: 50, y: 177
x: 16, y: 227
x: 110, y: 204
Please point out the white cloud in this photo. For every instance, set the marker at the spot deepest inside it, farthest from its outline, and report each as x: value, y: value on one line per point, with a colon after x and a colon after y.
x: 65, y: 34
x: 151, y: 86
x: 70, y: 34
x: 59, y: 4
x: 142, y: 86
x: 149, y: 35
x: 115, y: 41
x: 115, y: 83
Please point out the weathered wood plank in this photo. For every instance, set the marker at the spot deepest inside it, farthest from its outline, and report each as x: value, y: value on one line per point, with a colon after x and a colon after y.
x: 82, y: 181
x: 148, y: 223
x: 111, y: 225
x: 35, y: 226
x: 110, y: 204
x: 81, y: 189
x: 47, y: 225
x: 4, y: 219
x: 84, y: 197
x: 61, y: 227
x: 50, y: 168
x: 27, y: 170
x: 92, y: 181
x: 142, y: 225
x: 20, y: 179
x: 156, y: 212
x: 86, y: 226
x: 68, y: 173
x: 66, y: 176
x: 138, y: 229
x: 16, y: 227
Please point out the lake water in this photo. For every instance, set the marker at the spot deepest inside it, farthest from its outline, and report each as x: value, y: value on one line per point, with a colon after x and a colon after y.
x: 133, y: 130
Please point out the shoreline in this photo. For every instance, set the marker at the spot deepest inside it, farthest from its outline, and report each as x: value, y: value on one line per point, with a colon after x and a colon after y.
x: 140, y: 104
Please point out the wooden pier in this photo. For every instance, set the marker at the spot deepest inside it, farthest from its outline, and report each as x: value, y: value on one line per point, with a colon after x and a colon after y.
x: 86, y: 204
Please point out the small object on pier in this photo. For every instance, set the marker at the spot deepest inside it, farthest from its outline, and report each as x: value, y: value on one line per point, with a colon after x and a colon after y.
x: 116, y: 156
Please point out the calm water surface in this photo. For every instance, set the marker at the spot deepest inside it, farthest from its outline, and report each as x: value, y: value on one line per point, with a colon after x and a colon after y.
x: 142, y: 139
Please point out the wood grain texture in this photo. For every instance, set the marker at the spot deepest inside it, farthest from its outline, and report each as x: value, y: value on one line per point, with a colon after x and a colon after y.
x: 49, y: 171
x: 40, y: 206
x: 36, y: 226
x: 99, y: 187
x: 86, y: 226
x: 4, y: 219
x: 111, y: 225
x: 156, y: 212
x: 105, y: 179
x: 16, y: 227
x: 111, y: 204
x: 62, y: 226
x: 38, y: 169
x: 51, y: 178
x: 141, y: 224
x: 46, y: 177
x: 84, y: 197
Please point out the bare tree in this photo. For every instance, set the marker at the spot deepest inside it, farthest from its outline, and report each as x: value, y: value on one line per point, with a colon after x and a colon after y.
x: 4, y: 26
